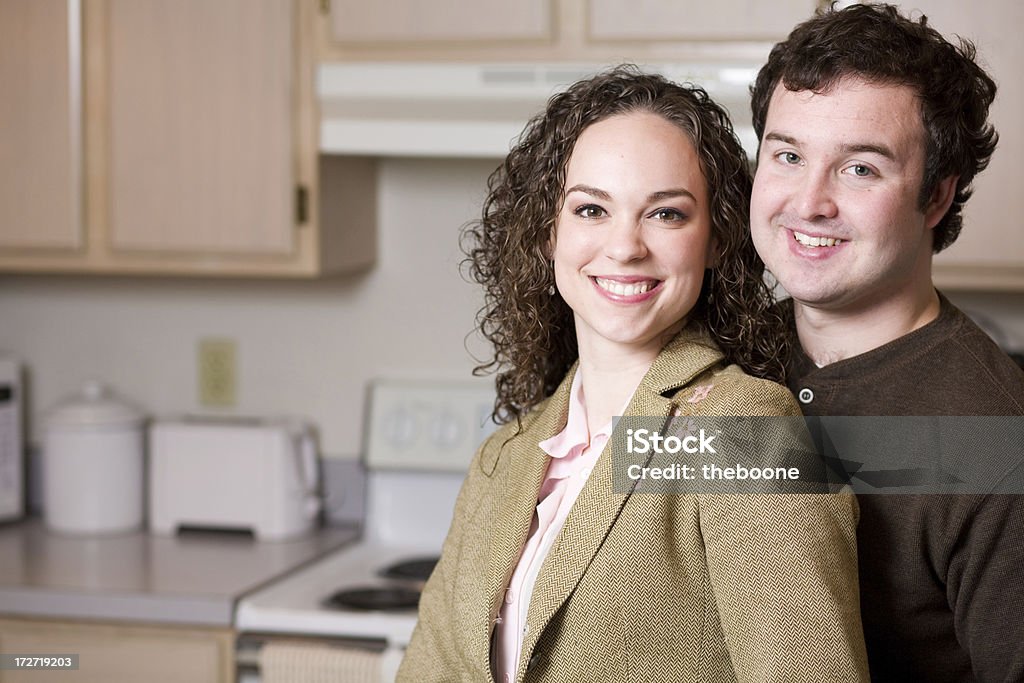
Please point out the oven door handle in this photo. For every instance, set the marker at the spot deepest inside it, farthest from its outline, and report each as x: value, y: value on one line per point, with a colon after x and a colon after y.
x: 250, y: 649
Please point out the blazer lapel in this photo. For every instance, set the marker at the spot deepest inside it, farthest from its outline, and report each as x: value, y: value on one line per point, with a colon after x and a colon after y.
x: 586, y: 527
x: 521, y: 479
x: 591, y: 517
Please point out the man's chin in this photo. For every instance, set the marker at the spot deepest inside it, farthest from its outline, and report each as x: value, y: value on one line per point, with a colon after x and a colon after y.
x: 816, y: 298
x: 804, y: 289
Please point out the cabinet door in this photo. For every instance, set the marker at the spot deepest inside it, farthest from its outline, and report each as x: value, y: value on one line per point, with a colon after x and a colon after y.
x: 40, y: 124
x: 696, y: 19
x: 415, y: 21
x: 989, y: 251
x: 201, y: 155
x: 112, y: 653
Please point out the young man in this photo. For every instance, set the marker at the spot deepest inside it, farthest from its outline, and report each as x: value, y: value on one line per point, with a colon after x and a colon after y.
x: 872, y: 128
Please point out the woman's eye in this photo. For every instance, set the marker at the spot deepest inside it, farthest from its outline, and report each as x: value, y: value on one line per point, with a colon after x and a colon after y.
x: 668, y: 215
x: 589, y: 211
x: 789, y: 157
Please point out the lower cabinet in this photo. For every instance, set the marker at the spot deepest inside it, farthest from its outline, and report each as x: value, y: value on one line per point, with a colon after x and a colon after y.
x: 120, y: 652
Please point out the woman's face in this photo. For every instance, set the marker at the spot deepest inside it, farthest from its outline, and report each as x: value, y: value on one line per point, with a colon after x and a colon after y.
x: 633, y: 236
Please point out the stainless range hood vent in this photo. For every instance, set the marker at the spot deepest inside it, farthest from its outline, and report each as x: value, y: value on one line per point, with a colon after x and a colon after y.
x: 474, y: 111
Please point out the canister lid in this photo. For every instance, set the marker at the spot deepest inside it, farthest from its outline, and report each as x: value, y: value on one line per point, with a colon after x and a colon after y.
x: 94, y: 405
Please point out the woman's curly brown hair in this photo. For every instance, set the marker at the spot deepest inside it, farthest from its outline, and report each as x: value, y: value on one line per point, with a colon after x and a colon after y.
x: 532, y: 330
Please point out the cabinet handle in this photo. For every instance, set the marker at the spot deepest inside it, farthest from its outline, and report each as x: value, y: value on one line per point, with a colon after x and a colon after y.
x: 301, y: 204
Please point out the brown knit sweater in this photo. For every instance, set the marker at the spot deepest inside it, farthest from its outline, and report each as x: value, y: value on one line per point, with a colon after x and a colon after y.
x: 942, y: 577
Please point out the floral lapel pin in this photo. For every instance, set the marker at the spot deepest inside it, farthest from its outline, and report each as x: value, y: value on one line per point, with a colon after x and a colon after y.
x: 700, y: 393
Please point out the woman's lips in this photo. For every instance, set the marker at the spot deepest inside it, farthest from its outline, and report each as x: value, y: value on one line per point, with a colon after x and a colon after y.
x: 626, y: 288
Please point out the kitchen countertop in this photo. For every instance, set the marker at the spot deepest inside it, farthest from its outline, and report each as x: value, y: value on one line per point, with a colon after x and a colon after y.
x: 193, y: 578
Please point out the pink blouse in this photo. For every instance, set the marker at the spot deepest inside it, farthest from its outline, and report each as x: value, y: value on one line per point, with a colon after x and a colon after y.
x: 573, y: 451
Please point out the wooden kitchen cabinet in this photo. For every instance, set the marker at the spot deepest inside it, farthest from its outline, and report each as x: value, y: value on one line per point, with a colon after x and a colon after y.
x: 989, y: 254
x: 642, y: 20
x: 199, y: 153
x: 408, y: 21
x: 40, y: 125
x: 569, y: 30
x: 121, y: 653
x: 201, y: 149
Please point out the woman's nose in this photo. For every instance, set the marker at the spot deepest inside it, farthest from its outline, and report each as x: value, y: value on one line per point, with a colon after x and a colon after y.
x: 625, y: 241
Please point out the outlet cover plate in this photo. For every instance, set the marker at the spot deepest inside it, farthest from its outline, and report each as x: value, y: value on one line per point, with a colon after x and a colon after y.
x: 218, y: 372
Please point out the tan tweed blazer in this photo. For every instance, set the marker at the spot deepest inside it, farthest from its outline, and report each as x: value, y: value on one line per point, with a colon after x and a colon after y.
x: 648, y: 587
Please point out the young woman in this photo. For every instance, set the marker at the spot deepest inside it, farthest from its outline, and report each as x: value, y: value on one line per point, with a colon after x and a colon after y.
x: 620, y: 280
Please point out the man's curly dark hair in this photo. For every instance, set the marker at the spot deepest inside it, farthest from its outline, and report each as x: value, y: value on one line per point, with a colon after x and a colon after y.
x: 532, y: 331
x: 877, y: 44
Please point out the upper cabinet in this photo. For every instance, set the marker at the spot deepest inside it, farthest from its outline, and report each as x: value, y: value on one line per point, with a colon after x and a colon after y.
x: 694, y: 20
x: 190, y: 150
x: 577, y: 30
x: 989, y: 253
x: 40, y: 125
x: 405, y: 21
x: 200, y: 136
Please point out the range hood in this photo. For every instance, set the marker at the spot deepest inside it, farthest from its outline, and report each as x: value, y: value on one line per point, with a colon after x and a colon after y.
x: 462, y: 110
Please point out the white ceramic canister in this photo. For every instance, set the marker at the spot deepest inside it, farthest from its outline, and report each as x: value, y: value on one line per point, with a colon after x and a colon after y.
x: 93, y: 455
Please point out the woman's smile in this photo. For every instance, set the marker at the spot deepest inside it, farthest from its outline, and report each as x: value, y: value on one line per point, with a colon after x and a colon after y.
x: 626, y: 288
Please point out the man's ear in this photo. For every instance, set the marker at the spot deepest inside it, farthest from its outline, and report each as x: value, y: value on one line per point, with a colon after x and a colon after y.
x: 939, y: 202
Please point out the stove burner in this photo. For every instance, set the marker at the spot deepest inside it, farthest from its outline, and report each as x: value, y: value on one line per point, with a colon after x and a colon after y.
x: 416, y: 569
x: 375, y: 598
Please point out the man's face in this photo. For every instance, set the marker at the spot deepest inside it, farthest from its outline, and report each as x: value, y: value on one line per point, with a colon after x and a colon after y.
x: 834, y: 211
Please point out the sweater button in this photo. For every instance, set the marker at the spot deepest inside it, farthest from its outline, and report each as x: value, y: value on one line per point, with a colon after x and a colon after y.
x: 805, y: 396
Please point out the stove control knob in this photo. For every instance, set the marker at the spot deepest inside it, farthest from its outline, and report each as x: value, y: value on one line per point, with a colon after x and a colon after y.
x: 447, y: 430
x: 400, y: 428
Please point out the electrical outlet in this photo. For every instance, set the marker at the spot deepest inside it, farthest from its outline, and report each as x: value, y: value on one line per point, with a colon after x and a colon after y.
x: 217, y: 372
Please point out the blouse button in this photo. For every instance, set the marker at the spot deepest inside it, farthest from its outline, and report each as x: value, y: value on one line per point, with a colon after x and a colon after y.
x: 510, y: 597
x: 805, y: 395
x: 506, y: 678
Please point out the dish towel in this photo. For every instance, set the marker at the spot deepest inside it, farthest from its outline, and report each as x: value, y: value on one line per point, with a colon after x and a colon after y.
x: 287, y: 662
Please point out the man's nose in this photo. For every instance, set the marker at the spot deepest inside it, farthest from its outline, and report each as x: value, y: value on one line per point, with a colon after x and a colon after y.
x: 815, y: 197
x: 625, y: 241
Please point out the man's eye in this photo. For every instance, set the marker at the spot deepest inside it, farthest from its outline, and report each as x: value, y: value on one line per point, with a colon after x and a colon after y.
x: 860, y: 170
x: 589, y: 211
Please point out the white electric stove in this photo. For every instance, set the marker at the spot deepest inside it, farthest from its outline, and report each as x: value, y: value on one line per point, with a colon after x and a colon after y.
x: 420, y: 439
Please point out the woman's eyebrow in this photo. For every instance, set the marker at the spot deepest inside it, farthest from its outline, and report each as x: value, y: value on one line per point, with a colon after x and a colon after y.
x: 670, y: 194
x: 653, y: 197
x: 592, y: 191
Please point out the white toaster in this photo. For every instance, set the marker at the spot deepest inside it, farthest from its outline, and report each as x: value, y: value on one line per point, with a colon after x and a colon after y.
x: 248, y: 475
